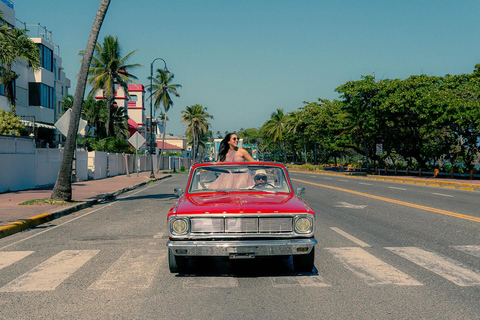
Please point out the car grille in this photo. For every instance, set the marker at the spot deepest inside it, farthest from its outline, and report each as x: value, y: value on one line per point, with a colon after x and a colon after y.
x: 253, y: 225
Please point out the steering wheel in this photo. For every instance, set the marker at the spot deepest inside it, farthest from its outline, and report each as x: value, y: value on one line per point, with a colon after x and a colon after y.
x: 257, y: 186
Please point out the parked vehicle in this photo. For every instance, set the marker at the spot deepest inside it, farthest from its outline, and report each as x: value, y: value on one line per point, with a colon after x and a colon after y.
x: 240, y: 211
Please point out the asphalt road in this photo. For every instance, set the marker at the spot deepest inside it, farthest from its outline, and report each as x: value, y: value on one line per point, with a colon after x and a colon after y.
x: 386, y: 251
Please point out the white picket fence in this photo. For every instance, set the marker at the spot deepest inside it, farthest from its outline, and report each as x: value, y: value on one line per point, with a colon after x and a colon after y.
x: 23, y: 167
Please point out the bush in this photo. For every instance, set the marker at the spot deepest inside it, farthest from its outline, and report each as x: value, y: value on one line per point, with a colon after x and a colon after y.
x: 109, y: 144
x: 10, y: 124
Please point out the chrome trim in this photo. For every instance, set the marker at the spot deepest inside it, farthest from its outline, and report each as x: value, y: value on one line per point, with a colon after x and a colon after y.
x: 236, y: 249
x: 230, y: 235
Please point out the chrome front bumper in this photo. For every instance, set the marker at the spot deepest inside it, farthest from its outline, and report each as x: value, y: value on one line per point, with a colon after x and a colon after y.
x: 242, y: 249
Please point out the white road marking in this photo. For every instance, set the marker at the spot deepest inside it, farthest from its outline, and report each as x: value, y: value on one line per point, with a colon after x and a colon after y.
x: 305, y: 281
x: 10, y: 257
x: 159, y: 235
x: 57, y: 226
x: 343, y: 180
x: 327, y: 178
x: 350, y: 206
x: 441, y: 194
x: 365, y: 184
x: 445, y: 267
x: 135, y: 269
x: 397, y: 188
x: 350, y: 237
x: 210, y: 282
x: 83, y: 215
x: 471, y: 250
x: 373, y: 270
x: 51, y: 273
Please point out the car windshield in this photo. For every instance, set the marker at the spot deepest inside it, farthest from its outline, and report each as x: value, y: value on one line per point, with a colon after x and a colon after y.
x: 228, y: 178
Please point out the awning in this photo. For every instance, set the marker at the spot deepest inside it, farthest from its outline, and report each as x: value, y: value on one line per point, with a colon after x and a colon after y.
x: 37, y: 124
x: 168, y: 146
x: 132, y: 126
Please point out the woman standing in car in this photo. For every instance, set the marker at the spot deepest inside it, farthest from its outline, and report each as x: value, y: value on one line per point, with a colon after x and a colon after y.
x: 230, y: 152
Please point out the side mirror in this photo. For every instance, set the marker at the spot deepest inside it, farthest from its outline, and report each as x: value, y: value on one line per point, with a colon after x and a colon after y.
x: 300, y: 192
x: 178, y: 192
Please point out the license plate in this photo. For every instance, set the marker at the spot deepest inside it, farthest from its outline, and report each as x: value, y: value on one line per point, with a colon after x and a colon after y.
x: 242, y: 249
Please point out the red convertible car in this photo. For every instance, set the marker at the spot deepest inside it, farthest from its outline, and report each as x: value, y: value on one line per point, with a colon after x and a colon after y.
x: 240, y: 211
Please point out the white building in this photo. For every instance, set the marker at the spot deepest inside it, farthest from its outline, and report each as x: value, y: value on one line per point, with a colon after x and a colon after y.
x: 38, y: 94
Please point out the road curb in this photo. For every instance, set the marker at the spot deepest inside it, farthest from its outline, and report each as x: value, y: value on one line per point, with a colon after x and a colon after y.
x: 32, y: 222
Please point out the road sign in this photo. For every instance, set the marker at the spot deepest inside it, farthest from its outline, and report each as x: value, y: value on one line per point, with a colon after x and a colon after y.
x: 64, y: 122
x: 379, y: 148
x: 136, y: 140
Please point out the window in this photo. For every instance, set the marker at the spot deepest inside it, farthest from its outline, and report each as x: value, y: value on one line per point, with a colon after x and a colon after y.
x: 133, y: 97
x: 14, y: 87
x: 46, y: 58
x: 40, y: 95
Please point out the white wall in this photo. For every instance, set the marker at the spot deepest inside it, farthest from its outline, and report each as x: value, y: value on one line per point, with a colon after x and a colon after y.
x: 23, y: 167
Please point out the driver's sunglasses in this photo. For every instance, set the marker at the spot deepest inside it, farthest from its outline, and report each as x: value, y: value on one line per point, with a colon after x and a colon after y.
x: 264, y: 178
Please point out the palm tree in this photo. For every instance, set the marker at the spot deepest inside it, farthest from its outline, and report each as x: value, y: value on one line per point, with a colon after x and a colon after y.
x: 196, y: 118
x: 160, y: 92
x: 63, y: 185
x: 275, y: 128
x: 95, y: 112
x: 15, y: 45
x: 108, y: 69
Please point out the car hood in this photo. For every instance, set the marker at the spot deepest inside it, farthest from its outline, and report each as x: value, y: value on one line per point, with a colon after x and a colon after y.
x: 234, y: 203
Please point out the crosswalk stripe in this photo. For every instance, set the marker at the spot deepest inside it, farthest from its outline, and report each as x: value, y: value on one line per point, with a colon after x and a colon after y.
x: 135, y: 269
x: 10, y: 257
x: 51, y: 273
x: 373, y: 270
x: 471, y: 250
x: 445, y: 267
x: 306, y: 281
x: 210, y: 282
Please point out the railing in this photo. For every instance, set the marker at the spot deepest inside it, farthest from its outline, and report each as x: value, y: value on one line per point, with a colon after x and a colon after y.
x: 8, y: 3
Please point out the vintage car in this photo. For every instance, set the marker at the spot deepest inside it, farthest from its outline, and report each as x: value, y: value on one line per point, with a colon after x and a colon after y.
x: 240, y: 211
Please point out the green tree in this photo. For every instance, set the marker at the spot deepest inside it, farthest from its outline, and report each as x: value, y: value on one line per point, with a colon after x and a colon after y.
x: 160, y: 92
x: 109, y: 69
x: 15, y: 45
x: 196, y: 119
x: 10, y: 124
x: 67, y: 103
x: 63, y: 187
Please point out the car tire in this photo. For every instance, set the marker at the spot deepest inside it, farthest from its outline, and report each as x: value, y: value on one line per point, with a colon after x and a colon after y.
x: 304, y: 262
x: 177, y: 264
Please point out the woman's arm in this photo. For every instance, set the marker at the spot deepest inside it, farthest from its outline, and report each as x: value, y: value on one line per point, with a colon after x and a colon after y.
x: 245, y: 155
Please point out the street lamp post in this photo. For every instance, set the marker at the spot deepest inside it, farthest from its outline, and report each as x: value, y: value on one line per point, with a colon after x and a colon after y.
x: 152, y: 140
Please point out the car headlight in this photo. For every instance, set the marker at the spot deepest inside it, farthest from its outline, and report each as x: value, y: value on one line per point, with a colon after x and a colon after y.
x: 180, y: 226
x: 303, y: 225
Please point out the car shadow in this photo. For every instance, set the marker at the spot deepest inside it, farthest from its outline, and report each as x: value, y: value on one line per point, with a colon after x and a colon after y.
x: 248, y: 268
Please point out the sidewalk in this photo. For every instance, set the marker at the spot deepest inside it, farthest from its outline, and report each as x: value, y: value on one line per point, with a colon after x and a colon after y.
x: 15, y: 217
x: 462, y: 184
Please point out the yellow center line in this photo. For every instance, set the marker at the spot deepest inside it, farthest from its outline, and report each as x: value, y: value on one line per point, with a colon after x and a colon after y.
x: 403, y: 203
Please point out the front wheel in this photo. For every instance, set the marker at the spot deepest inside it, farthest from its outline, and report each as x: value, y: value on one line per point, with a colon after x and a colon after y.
x: 304, y: 262
x: 177, y: 264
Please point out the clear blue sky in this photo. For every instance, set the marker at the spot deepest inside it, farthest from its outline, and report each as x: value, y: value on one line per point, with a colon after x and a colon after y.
x: 244, y: 59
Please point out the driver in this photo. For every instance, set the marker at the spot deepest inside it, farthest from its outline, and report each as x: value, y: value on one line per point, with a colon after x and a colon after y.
x: 260, y: 179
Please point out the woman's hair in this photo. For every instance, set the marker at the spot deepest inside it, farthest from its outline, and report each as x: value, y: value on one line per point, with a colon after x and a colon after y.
x: 224, y: 147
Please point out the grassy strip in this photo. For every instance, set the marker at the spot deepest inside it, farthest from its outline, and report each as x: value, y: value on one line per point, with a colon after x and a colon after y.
x: 46, y: 201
